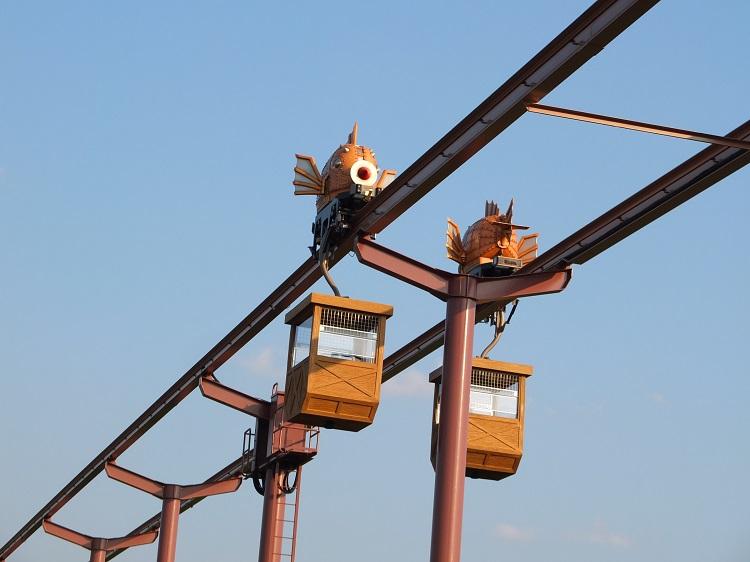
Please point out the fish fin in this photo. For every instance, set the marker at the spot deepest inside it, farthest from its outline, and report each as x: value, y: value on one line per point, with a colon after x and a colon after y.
x: 307, y: 178
x: 453, y: 243
x: 528, y: 247
x: 490, y: 209
x: 509, y: 212
x: 353, y: 135
x: 386, y: 178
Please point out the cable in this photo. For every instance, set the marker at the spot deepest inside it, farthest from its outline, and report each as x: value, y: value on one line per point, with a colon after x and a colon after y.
x: 500, y: 323
x: 285, y: 486
x: 327, y: 275
x: 259, y: 485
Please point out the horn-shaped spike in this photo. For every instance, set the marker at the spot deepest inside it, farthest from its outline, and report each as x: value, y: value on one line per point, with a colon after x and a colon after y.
x: 509, y: 212
x: 490, y: 209
x: 353, y: 134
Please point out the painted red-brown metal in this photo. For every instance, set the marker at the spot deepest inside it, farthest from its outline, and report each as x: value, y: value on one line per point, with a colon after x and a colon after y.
x: 98, y: 547
x: 214, y: 390
x: 680, y: 184
x: 272, y: 520
x: 462, y: 293
x: 232, y: 470
x: 450, y: 464
x: 640, y: 126
x: 444, y: 284
x: 567, y: 52
x: 170, y: 516
x: 172, y: 496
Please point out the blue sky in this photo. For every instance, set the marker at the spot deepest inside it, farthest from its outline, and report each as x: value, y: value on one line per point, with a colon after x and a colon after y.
x: 146, y: 156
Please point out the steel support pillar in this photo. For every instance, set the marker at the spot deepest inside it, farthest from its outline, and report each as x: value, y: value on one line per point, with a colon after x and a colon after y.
x: 270, y: 420
x: 462, y: 293
x: 272, y: 523
x: 170, y: 518
x: 450, y: 464
x: 172, y: 496
x: 98, y: 547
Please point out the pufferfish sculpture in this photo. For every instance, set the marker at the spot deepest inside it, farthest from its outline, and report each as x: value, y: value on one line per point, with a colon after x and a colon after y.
x: 491, y: 242
x: 349, y: 180
x: 350, y: 173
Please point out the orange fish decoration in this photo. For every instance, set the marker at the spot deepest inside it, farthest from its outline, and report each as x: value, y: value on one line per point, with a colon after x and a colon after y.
x: 492, y: 236
x: 351, y: 169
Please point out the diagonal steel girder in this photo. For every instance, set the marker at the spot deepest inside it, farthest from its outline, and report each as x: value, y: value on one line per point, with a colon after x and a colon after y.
x: 683, y: 182
x: 680, y: 184
x: 581, y: 40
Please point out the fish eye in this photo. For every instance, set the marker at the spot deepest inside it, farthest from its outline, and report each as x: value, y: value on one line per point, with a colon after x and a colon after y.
x: 337, y: 164
x: 364, y: 172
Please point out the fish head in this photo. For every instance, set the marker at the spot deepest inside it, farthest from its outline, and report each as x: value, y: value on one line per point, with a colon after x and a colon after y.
x: 352, y: 163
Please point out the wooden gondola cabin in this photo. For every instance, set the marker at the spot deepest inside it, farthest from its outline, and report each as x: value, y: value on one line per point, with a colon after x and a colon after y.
x: 496, y: 410
x: 335, y: 361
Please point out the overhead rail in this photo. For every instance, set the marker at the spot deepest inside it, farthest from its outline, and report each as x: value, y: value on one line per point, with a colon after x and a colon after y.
x: 567, y: 52
x: 680, y: 184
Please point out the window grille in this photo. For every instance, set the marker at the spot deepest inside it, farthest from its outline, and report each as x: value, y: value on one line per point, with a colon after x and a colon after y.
x: 345, y: 334
x: 494, y: 393
x: 302, y: 333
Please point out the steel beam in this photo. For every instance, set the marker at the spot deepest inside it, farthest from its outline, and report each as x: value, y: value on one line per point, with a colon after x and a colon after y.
x: 214, y: 390
x: 567, y: 52
x: 636, y: 125
x: 450, y: 461
x: 462, y: 293
x: 273, y: 515
x: 680, y: 184
x: 232, y: 470
x: 172, y: 496
x: 97, y: 546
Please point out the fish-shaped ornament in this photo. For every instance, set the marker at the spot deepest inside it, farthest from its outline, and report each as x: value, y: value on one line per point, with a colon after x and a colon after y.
x: 491, y: 244
x: 350, y: 173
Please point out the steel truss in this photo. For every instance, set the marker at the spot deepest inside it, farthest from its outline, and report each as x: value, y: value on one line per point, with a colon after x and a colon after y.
x: 579, y: 42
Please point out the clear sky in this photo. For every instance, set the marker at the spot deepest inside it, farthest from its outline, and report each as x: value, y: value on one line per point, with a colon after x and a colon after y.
x: 146, y: 154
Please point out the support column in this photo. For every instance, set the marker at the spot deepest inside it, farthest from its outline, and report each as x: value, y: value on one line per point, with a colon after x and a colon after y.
x: 462, y: 293
x: 450, y: 464
x: 170, y: 517
x: 273, y: 514
x: 98, y: 555
x: 172, y: 496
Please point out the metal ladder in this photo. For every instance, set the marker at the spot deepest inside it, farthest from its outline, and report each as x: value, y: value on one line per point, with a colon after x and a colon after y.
x: 285, y: 543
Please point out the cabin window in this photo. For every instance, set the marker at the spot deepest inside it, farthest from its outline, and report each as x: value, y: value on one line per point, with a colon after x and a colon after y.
x: 302, y: 334
x: 348, y: 335
x: 494, y: 393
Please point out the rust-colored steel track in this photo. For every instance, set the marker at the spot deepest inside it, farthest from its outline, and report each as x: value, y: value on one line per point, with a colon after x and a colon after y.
x: 580, y: 41
x: 685, y: 181
x: 675, y: 187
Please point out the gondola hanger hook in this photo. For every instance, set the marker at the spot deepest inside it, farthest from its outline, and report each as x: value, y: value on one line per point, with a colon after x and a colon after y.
x: 327, y: 274
x: 499, y: 321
